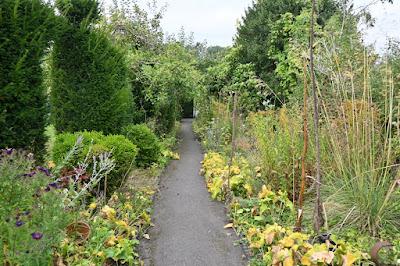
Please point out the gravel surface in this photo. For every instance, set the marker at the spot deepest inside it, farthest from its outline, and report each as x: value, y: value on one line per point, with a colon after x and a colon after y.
x: 189, y: 226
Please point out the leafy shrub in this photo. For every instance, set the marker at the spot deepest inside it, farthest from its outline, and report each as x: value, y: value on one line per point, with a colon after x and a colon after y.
x: 27, y: 27
x: 268, y: 208
x: 90, y: 86
x: 31, y: 210
x: 147, y: 143
x: 278, y: 245
x: 216, y: 171
x: 115, y: 229
x: 123, y: 152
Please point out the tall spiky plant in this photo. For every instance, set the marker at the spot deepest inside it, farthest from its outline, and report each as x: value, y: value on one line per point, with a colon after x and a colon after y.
x: 361, y: 178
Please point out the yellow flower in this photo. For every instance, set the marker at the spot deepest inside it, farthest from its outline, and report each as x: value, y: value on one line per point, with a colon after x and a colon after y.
x: 64, y: 242
x: 108, y: 212
x: 133, y: 232
x: 249, y: 189
x: 265, y: 192
x: 235, y: 170
x: 85, y: 214
x: 100, y: 254
x: 146, y: 217
x: 114, y: 197
x: 122, y: 223
x: 128, y: 206
x: 51, y: 164
x: 92, y: 205
x: 111, y: 241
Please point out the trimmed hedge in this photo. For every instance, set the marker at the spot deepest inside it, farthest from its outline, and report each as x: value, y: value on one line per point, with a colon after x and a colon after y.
x: 26, y: 28
x: 147, y: 143
x: 90, y: 76
x: 123, y: 152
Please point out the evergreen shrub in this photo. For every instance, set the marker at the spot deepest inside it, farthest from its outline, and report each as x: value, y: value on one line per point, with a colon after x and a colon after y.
x: 146, y: 141
x: 90, y: 78
x: 26, y: 28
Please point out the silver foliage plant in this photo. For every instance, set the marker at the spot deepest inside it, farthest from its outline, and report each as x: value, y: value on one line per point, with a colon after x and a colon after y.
x: 100, y: 166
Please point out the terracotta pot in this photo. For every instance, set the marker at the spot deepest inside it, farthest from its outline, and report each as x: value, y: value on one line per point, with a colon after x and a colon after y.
x: 378, y: 247
x: 80, y: 231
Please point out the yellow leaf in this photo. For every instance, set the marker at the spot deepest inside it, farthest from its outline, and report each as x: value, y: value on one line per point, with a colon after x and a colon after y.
x: 288, y: 261
x: 269, y: 237
x: 230, y: 225
x: 287, y: 242
x: 305, y: 260
x: 249, y: 189
x: 108, y: 212
x: 264, y: 192
x: 323, y: 256
x: 121, y: 223
x: 51, y: 164
x: 92, y: 206
x: 349, y: 259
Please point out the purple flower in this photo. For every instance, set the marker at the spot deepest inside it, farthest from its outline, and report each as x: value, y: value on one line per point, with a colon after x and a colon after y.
x: 47, y: 189
x: 44, y: 170
x: 37, y: 235
x: 9, y: 151
x: 19, y: 223
x: 26, y: 212
x: 30, y: 174
x: 53, y: 185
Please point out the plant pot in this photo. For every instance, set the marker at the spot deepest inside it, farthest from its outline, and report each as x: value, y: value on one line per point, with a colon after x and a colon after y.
x: 377, y: 248
x: 79, y: 231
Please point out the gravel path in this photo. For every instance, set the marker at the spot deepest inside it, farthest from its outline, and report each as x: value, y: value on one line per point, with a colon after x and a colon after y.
x: 189, y: 227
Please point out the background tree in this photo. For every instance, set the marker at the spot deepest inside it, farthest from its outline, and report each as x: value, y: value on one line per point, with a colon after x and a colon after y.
x: 171, y: 81
x: 26, y: 28
x: 263, y: 37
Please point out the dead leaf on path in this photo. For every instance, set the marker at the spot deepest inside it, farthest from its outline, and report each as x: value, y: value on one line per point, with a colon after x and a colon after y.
x: 230, y: 225
x: 146, y: 236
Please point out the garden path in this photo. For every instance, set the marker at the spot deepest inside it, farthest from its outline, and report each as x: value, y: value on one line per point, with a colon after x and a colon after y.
x: 189, y: 226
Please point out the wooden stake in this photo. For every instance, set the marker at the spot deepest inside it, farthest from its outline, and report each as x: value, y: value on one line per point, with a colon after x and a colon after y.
x: 304, y: 155
x: 318, y: 218
x: 233, y: 139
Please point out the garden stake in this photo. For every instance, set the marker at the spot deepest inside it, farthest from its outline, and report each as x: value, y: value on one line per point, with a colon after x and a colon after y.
x: 304, y: 155
x: 318, y: 219
x: 233, y: 140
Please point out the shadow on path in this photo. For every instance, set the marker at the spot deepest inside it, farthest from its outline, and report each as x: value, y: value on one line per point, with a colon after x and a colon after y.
x: 189, y: 226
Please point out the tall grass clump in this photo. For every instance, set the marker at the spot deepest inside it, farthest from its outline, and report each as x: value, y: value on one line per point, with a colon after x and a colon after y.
x: 361, y: 178
x: 277, y: 138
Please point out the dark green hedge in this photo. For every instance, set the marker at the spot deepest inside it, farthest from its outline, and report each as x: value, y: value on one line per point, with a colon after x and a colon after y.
x: 26, y: 27
x: 90, y: 79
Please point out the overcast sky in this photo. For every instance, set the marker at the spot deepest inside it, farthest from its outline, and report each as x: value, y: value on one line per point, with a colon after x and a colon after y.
x: 216, y: 20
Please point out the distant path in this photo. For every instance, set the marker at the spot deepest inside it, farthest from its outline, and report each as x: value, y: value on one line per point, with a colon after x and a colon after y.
x: 189, y: 227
